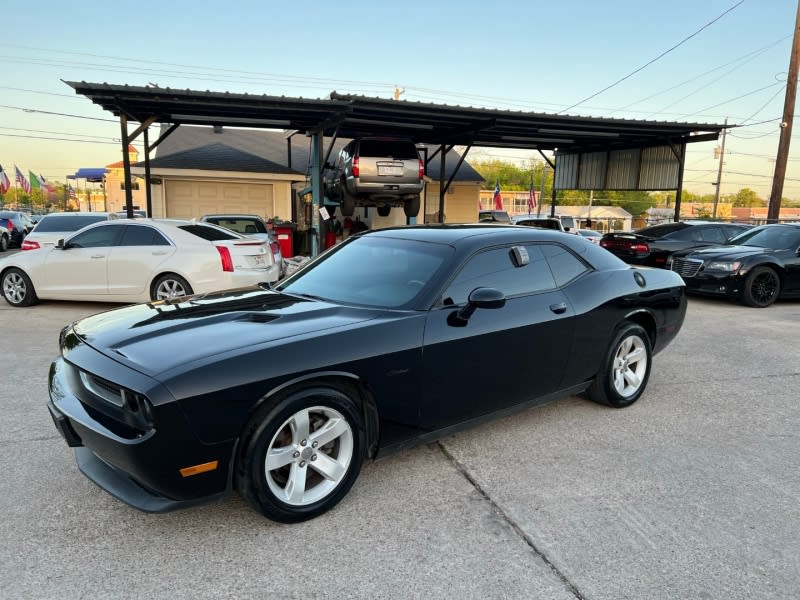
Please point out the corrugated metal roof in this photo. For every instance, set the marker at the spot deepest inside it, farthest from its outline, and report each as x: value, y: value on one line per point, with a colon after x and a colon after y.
x: 355, y: 116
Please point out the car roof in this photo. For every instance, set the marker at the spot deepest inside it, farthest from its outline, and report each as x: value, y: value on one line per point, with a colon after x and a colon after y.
x: 231, y: 216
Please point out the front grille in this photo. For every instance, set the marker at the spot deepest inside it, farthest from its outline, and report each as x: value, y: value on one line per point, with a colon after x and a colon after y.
x: 686, y: 267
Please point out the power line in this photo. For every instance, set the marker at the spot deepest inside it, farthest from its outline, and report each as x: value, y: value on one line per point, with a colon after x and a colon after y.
x: 47, y: 112
x: 40, y: 137
x: 101, y: 137
x: 684, y: 40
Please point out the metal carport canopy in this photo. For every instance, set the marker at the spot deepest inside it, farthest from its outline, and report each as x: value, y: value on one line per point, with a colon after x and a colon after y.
x: 350, y: 116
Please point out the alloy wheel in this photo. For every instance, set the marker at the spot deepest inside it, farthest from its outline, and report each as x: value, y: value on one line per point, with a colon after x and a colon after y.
x: 309, y: 456
x: 14, y: 288
x: 630, y: 366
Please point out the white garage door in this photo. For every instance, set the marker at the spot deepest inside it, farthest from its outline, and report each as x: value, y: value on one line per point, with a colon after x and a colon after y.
x: 187, y: 199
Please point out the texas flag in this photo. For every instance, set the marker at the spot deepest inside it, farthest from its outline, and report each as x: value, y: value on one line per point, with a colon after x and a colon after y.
x: 498, y: 199
x: 5, y: 182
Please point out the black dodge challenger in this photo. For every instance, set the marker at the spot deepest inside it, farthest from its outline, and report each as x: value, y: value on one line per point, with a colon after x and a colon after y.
x: 380, y: 343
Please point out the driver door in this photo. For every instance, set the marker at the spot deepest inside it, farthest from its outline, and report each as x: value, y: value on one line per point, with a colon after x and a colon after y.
x: 80, y: 267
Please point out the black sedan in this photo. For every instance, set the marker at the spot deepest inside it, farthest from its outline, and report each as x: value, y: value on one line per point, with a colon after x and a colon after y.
x: 756, y: 268
x: 653, y: 245
x: 380, y: 343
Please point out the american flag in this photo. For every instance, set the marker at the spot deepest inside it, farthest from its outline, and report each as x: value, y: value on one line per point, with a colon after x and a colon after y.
x: 72, y: 194
x: 22, y: 181
x: 498, y: 199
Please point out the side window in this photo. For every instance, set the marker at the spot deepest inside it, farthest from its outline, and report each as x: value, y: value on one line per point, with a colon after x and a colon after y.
x: 142, y: 235
x: 495, y: 269
x: 99, y: 237
x: 563, y: 263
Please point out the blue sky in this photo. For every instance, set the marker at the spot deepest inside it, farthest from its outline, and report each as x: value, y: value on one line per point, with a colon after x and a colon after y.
x: 533, y: 56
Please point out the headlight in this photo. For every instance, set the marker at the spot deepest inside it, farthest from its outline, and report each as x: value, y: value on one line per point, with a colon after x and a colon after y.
x: 722, y: 265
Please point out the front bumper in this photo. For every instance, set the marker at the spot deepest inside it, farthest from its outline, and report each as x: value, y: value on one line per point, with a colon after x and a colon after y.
x: 139, y: 465
x: 721, y: 285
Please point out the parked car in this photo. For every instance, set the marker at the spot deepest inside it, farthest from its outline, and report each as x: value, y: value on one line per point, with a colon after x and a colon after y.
x: 18, y: 223
x: 756, y: 267
x: 376, y: 172
x: 5, y: 238
x: 137, y: 260
x: 58, y: 225
x: 379, y: 343
x: 137, y: 214
x: 251, y: 226
x: 493, y: 216
x: 591, y: 235
x: 539, y: 221
x: 652, y: 245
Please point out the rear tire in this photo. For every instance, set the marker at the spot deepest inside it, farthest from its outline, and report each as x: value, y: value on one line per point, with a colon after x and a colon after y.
x: 761, y: 288
x: 301, y: 453
x: 411, y: 207
x: 170, y: 286
x: 348, y: 205
x: 626, y: 368
x: 18, y: 288
x: 3, y: 243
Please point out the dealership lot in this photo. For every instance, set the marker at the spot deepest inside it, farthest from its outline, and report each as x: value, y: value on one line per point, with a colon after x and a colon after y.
x: 691, y: 492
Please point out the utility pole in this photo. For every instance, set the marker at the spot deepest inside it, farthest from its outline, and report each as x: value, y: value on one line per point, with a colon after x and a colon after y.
x: 719, y: 171
x: 773, y: 214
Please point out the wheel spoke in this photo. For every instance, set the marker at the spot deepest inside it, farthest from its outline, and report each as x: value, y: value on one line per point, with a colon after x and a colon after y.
x: 279, y: 457
x: 332, y: 429
x: 300, y: 426
x: 296, y: 486
x: 635, y: 355
x: 632, y: 378
x: 329, y: 468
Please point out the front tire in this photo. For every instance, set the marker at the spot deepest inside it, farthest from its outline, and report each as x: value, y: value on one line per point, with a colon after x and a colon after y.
x: 761, y: 288
x: 301, y: 453
x: 18, y: 289
x: 626, y: 368
x: 170, y: 286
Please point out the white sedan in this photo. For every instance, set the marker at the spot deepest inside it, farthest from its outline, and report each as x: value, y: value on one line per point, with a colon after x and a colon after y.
x: 136, y: 261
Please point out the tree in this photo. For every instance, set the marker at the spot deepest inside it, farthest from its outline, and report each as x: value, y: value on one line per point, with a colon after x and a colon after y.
x: 748, y: 198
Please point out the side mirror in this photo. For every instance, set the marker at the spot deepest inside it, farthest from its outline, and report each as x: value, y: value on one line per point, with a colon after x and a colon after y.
x: 60, y: 244
x: 478, y: 298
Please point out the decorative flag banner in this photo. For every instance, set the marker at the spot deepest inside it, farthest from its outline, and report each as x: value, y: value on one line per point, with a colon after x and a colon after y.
x: 498, y: 199
x: 26, y: 187
x: 46, y: 184
x: 35, y: 183
x: 531, y: 197
x: 5, y: 182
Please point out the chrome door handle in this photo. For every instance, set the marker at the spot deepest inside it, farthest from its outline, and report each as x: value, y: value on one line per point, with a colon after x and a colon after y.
x: 98, y: 256
x: 162, y: 253
x: 559, y: 308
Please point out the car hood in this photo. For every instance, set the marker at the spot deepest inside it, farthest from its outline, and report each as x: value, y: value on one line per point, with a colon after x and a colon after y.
x: 726, y: 252
x: 156, y: 337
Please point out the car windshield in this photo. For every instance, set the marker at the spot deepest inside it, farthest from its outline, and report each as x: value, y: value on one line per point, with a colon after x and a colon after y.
x: 776, y: 238
x: 371, y: 271
x: 53, y: 223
